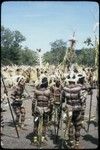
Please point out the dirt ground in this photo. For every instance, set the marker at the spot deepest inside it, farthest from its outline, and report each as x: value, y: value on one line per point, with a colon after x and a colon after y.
x: 11, y: 141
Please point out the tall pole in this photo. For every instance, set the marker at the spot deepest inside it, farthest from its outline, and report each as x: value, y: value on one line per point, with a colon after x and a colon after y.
x: 97, y: 52
x: 9, y: 106
x: 70, y: 52
x: 90, y: 110
x: 40, y: 57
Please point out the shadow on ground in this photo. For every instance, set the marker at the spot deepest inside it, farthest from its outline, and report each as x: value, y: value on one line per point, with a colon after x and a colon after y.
x: 90, y: 138
x: 37, y: 145
x: 57, y: 141
x: 94, y: 123
x: 11, y: 124
x: 30, y: 136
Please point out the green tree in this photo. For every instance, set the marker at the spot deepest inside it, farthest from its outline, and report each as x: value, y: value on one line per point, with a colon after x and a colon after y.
x: 11, y: 45
x: 28, y: 57
x: 47, y: 57
x: 86, y: 57
x: 56, y: 55
x: 88, y: 42
x: 89, y: 53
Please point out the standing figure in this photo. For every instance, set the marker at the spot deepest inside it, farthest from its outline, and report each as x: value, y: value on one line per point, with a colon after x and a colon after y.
x: 83, y: 95
x: 90, y: 76
x: 75, y: 106
x: 16, y: 96
x: 97, y: 106
x: 1, y: 120
x: 2, y: 110
x: 56, y: 92
x: 40, y: 107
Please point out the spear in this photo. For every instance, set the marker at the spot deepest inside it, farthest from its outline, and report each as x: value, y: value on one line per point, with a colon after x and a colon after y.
x: 6, y: 92
x: 60, y: 120
x: 90, y: 111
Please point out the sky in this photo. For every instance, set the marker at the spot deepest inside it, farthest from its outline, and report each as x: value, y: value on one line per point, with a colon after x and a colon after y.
x: 43, y: 22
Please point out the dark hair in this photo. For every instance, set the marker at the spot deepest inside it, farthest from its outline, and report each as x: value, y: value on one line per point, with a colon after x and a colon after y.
x: 81, y: 80
x: 57, y: 83
x: 73, y: 77
x: 68, y: 76
x: 44, y: 83
x: 45, y: 72
x: 75, y: 70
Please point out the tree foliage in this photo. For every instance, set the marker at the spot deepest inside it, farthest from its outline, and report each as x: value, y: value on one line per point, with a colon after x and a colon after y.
x: 88, y: 42
x: 11, y: 49
x: 57, y: 52
x: 86, y: 57
x: 13, y: 53
x: 28, y: 57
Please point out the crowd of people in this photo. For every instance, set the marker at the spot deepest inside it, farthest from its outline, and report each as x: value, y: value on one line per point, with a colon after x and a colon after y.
x: 53, y: 88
